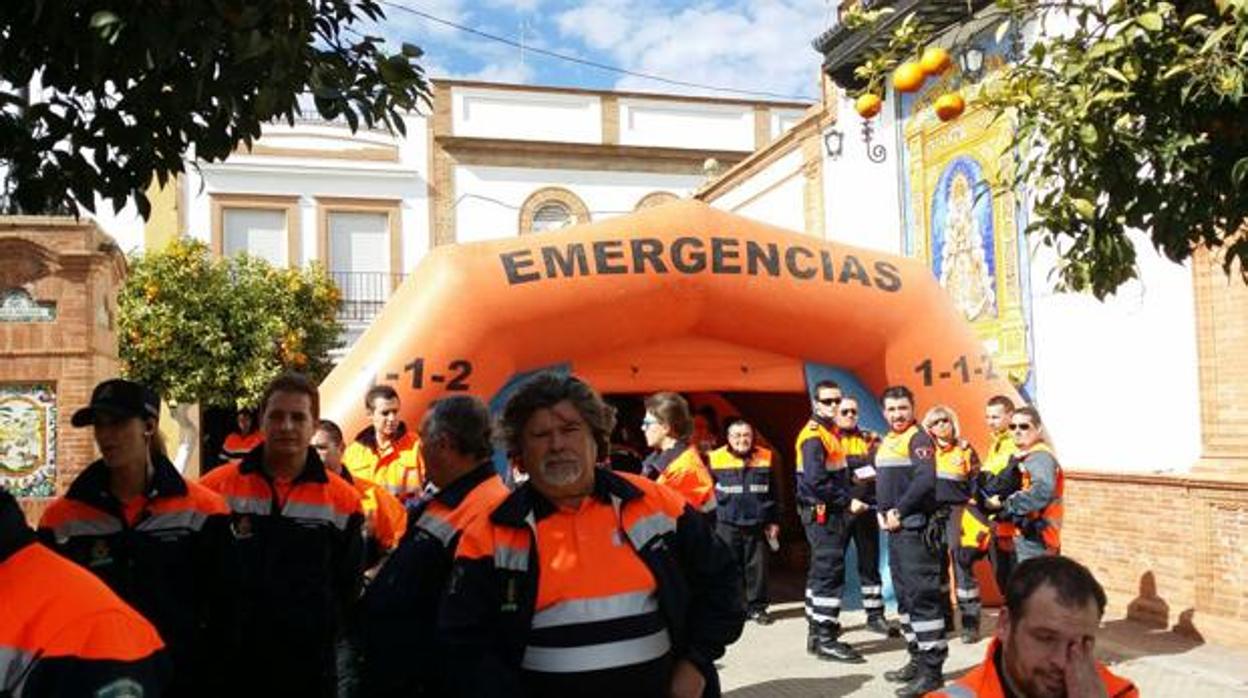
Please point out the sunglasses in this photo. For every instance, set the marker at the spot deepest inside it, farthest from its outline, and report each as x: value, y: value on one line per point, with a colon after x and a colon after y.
x: 938, y: 421
x: 647, y: 423
x: 1020, y: 427
x: 829, y: 401
x: 849, y: 412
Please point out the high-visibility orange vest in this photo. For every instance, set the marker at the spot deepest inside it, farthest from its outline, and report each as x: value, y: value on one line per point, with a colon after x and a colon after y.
x: 446, y: 523
x: 834, y: 453
x: 689, y: 476
x: 955, y: 471
x: 399, y: 467
x: 984, y: 682
x: 1051, y: 514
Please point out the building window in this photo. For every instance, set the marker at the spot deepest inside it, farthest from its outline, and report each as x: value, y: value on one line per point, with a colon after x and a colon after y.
x: 655, y: 198
x: 552, y: 216
x: 359, y: 245
x: 266, y: 227
x: 550, y: 209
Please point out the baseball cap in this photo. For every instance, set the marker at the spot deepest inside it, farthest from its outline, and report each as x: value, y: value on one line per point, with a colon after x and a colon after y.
x: 121, y: 398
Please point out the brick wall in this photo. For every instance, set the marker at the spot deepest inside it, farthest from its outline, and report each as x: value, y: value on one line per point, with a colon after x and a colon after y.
x: 1170, y: 551
x: 74, y: 265
x: 1222, y: 345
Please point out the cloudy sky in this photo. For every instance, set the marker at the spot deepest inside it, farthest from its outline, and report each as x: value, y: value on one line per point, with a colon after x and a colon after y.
x: 757, y: 45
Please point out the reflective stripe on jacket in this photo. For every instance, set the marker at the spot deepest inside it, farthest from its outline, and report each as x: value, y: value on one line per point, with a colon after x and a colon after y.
x: 821, y: 467
x: 491, y: 611
x: 1040, y: 501
x: 743, y: 486
x: 957, y: 469
x: 62, y: 631
x: 402, y: 652
x: 167, y: 564
x: 681, y: 468
x: 906, y: 475
x: 399, y: 468
x: 294, y: 568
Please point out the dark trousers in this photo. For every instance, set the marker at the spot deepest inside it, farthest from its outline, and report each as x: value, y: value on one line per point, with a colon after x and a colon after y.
x: 864, y: 531
x: 825, y: 578
x: 962, y: 568
x: 917, y: 572
x: 1003, y: 558
x: 749, y: 544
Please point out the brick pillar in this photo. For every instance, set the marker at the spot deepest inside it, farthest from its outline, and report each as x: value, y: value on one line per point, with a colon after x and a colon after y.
x: 58, y: 309
x: 1222, y: 347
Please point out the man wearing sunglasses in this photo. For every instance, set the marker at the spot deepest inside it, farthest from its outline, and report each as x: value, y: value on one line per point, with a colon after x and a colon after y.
x: 825, y: 505
x: 860, y: 446
x: 1037, y: 508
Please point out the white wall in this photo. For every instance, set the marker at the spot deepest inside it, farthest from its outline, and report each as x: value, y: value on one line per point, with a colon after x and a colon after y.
x: 695, y: 125
x: 784, y: 119
x: 775, y: 194
x: 124, y: 226
x: 1116, y: 382
x: 488, y: 199
x: 861, y: 202
x: 530, y: 116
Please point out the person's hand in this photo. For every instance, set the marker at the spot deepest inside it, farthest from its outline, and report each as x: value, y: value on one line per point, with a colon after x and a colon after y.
x: 857, y: 506
x: 892, y: 520
x: 687, y: 681
x: 1082, y: 680
x: 993, y: 502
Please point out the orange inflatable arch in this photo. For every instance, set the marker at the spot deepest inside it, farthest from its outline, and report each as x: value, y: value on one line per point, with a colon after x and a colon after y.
x: 676, y: 297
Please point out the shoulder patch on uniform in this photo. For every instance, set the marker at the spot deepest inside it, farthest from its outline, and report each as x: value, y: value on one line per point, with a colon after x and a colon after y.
x: 924, y: 452
x: 121, y: 688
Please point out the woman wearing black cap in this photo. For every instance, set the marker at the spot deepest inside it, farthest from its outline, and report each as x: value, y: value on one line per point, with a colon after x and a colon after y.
x: 153, y: 537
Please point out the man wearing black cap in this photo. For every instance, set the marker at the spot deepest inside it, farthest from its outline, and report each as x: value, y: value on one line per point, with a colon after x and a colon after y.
x: 133, y: 521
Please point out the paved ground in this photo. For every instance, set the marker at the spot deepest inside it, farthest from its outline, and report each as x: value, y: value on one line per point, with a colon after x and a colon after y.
x: 771, y: 661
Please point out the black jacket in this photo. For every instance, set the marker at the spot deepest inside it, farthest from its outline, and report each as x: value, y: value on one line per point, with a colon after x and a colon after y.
x: 294, y: 569
x: 168, y: 565
x: 906, y: 476
x: 487, y: 615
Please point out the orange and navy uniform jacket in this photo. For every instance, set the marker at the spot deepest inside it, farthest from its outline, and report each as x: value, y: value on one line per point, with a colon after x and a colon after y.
x: 402, y: 655
x: 162, y: 555
x: 743, y: 487
x: 399, y: 468
x: 957, y: 473
x: 823, y: 475
x: 1038, y: 507
x: 984, y: 681
x: 294, y: 552
x: 537, y: 591
x: 237, y: 445
x: 62, y: 631
x: 681, y: 468
x: 388, y: 517
x: 906, y: 476
x: 860, y: 446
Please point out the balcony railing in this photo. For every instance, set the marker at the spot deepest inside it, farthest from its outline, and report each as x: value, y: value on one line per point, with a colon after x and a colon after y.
x: 364, y: 293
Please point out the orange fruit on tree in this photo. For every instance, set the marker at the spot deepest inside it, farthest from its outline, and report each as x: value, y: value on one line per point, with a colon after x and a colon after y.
x: 908, y: 77
x: 935, y: 61
x: 868, y: 105
x: 950, y: 106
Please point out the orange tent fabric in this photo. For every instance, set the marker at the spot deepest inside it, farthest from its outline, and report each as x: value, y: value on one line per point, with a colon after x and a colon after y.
x: 676, y: 297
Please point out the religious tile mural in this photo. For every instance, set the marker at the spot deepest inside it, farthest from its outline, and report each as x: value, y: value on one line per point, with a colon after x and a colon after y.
x: 28, y: 439
x: 970, y: 236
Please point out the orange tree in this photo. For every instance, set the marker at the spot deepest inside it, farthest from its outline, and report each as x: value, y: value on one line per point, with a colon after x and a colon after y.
x: 1128, y: 114
x: 198, y: 328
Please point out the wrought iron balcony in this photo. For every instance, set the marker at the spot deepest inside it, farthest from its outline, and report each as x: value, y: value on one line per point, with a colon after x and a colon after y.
x: 844, y: 49
x: 364, y: 293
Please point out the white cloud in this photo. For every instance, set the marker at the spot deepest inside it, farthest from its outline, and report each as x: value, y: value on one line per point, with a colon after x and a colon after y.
x: 748, y: 44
